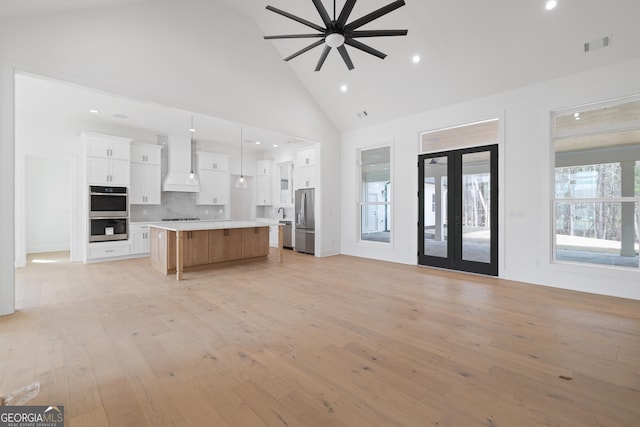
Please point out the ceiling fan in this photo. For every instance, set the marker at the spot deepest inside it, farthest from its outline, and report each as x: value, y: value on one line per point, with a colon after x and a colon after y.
x: 337, y: 33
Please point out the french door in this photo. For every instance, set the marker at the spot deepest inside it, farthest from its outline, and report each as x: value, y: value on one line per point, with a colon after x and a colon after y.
x: 458, y: 210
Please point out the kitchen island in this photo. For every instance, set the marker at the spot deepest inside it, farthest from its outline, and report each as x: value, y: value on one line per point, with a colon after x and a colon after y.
x: 176, y: 245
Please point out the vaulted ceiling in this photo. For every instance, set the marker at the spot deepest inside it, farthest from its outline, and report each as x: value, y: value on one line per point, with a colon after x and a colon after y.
x: 468, y: 48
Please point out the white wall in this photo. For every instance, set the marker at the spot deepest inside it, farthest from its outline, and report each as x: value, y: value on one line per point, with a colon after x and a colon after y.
x: 196, y: 55
x: 525, y: 178
x: 48, y: 204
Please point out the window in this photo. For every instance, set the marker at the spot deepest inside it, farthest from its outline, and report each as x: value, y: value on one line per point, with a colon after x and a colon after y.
x: 375, y: 194
x: 596, y: 205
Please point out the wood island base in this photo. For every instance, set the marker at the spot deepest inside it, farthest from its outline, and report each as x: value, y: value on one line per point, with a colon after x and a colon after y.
x: 179, y: 247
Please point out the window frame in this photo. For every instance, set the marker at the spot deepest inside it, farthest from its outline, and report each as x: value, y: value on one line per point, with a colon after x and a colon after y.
x: 581, y: 159
x: 360, y: 192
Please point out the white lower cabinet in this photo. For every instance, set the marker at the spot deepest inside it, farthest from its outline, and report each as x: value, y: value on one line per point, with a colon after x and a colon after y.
x: 96, y: 251
x: 139, y: 239
x: 273, y: 236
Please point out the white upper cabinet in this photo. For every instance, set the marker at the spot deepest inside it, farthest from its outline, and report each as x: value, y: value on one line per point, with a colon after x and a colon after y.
x: 145, y: 174
x: 264, y: 167
x: 305, y: 158
x: 107, y: 159
x: 264, y: 182
x: 264, y: 190
x: 108, y: 172
x: 214, y: 187
x: 146, y: 153
x: 213, y: 173
x: 284, y: 187
x: 304, y: 178
x: 107, y: 146
x: 212, y: 161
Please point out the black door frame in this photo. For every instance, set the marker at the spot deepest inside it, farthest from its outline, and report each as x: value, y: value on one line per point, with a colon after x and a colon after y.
x: 454, y: 260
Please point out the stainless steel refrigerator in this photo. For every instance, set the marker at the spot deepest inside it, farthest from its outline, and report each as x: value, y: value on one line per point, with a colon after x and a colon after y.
x: 305, y: 221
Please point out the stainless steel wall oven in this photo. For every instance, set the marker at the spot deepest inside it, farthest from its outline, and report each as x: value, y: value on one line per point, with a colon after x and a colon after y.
x: 108, y: 214
x: 108, y: 229
x: 108, y: 202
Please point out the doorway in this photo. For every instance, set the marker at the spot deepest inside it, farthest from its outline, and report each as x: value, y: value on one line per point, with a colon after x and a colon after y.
x: 48, y: 183
x: 458, y: 205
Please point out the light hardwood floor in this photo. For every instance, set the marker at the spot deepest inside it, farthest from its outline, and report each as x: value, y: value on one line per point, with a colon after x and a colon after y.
x: 337, y: 341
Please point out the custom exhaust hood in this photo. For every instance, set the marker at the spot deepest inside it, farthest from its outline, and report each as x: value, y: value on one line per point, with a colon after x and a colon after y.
x: 181, y: 177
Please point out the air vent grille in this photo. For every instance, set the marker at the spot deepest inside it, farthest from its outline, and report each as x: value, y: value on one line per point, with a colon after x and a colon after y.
x: 597, y: 44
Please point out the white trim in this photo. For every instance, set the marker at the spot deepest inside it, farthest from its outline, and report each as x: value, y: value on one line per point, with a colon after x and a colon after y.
x: 7, y: 189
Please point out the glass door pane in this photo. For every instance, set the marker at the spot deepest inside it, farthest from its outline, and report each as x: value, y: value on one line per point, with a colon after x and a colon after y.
x: 476, y: 207
x: 435, y: 186
x: 457, y: 224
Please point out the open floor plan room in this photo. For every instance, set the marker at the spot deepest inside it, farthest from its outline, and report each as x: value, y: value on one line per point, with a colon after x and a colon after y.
x: 339, y: 341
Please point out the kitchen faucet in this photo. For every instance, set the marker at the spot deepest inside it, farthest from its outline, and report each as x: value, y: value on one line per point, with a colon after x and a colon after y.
x: 284, y: 214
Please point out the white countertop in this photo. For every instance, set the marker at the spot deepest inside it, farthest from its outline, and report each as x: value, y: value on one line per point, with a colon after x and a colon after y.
x: 205, y: 225
x: 271, y: 221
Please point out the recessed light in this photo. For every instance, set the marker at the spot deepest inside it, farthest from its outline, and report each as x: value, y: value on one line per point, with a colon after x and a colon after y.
x: 344, y: 88
x: 94, y: 111
x: 551, y: 4
x: 275, y: 145
x: 257, y: 142
x: 416, y: 59
x: 192, y: 130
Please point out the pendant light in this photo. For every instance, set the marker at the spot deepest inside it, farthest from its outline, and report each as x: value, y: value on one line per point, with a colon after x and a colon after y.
x: 242, y: 181
x: 192, y: 177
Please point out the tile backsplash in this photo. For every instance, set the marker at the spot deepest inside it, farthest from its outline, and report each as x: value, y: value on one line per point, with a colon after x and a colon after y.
x: 271, y: 212
x: 176, y: 205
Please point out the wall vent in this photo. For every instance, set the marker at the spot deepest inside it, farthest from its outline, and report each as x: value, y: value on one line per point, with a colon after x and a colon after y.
x: 597, y: 44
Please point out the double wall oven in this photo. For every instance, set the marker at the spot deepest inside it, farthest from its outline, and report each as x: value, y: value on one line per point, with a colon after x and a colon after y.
x: 108, y: 213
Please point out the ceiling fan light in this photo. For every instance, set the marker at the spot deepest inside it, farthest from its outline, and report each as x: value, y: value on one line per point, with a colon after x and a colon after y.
x: 334, y: 40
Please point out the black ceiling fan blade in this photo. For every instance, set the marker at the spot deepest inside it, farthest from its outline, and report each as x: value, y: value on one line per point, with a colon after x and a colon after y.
x: 374, y: 15
x: 296, y: 18
x: 306, y: 49
x: 323, y: 13
x: 363, y: 47
x: 294, y: 36
x: 325, y: 52
x: 346, y: 11
x: 377, y: 33
x: 345, y: 57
